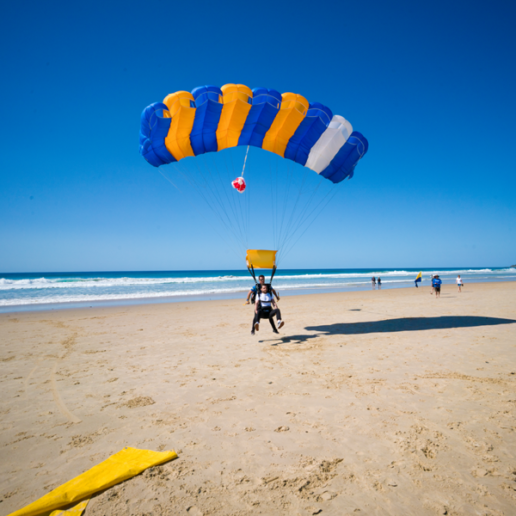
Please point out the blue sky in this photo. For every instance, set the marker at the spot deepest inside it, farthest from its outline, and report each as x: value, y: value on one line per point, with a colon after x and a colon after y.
x: 431, y: 86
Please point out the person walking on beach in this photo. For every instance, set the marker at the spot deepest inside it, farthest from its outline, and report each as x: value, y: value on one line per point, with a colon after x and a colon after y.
x: 254, y: 290
x: 379, y: 281
x: 436, y: 283
x: 373, y: 281
x: 459, y: 283
x: 266, y: 308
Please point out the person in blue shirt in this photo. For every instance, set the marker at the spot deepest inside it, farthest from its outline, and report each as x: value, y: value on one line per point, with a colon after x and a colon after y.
x: 436, y: 284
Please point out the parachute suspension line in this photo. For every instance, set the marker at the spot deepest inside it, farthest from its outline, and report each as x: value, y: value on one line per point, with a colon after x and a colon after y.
x: 307, y: 203
x: 236, y: 207
x: 217, y: 185
x: 301, y: 219
x: 327, y: 198
x: 282, y: 207
x: 189, y: 178
x: 211, y: 189
x: 214, y: 189
x: 222, y: 179
x: 243, y: 204
x: 195, y: 208
x: 290, y: 177
x: 240, y: 201
x: 272, y: 204
x: 277, y: 196
x: 331, y: 196
x: 304, y: 216
x: 248, y: 207
x: 235, y: 203
x: 298, y: 216
x: 245, y: 160
x: 193, y: 183
x: 230, y: 198
x: 232, y: 164
x: 284, y: 219
x: 245, y: 208
x: 294, y: 209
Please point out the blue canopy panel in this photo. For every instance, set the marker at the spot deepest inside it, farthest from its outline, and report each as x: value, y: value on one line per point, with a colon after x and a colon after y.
x: 309, y: 131
x: 153, y: 131
x: 208, y: 102
x: 345, y: 161
x: 265, y: 106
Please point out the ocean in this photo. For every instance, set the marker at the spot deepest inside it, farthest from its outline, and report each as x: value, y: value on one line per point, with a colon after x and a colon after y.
x: 81, y: 289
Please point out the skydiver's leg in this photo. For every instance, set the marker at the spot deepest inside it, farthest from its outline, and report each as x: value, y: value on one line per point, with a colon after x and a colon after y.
x: 263, y: 313
x: 276, y: 313
x: 256, y: 319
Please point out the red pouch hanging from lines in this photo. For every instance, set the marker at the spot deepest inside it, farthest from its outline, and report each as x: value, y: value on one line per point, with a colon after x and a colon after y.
x: 239, y: 184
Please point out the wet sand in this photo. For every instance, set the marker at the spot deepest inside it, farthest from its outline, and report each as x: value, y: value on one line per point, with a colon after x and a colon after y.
x: 384, y: 402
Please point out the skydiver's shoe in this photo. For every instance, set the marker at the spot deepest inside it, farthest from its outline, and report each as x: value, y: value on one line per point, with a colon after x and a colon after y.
x: 281, y: 324
x: 252, y: 332
x: 275, y: 331
x: 257, y: 326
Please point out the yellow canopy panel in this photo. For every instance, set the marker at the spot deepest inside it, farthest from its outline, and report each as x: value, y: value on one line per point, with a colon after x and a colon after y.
x: 261, y: 258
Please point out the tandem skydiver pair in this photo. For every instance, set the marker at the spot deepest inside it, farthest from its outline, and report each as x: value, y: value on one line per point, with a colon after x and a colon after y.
x: 266, y: 308
x: 262, y: 294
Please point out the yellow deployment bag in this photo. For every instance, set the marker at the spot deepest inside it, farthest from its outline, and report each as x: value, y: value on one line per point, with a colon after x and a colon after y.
x: 261, y: 259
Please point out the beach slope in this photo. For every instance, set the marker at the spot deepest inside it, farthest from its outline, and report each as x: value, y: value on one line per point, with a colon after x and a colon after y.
x: 378, y: 402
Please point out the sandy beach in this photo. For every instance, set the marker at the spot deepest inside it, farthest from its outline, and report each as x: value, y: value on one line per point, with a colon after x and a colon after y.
x: 376, y: 402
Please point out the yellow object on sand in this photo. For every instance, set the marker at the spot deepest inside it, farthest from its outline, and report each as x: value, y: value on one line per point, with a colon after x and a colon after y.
x: 261, y: 259
x: 119, y: 467
x: 76, y: 510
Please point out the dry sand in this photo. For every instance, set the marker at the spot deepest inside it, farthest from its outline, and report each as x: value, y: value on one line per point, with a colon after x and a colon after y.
x: 388, y: 402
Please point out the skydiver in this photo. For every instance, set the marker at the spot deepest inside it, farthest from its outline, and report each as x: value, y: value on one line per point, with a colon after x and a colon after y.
x: 254, y: 290
x: 266, y: 308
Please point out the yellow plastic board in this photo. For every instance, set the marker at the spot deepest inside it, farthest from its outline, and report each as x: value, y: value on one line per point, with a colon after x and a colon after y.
x: 117, y: 468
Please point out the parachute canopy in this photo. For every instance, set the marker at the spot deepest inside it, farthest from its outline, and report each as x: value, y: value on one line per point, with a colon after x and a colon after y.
x: 261, y: 259
x: 210, y: 119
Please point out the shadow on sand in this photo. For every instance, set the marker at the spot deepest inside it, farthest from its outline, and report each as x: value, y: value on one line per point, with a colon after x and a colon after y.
x: 395, y: 325
x: 444, y: 322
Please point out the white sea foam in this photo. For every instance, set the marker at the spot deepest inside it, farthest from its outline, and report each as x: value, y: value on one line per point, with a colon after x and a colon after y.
x: 84, y: 283
x: 53, y: 299
x: 113, y: 297
x: 76, y: 289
